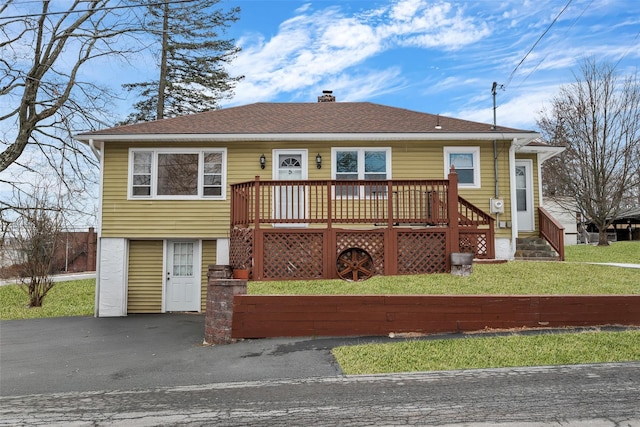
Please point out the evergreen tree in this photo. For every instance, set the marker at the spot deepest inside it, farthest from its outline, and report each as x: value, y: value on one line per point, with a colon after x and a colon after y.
x: 192, y: 76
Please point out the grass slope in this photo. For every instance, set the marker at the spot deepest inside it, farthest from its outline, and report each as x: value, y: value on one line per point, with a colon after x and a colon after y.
x: 490, y: 352
x: 515, y: 277
x: 75, y: 298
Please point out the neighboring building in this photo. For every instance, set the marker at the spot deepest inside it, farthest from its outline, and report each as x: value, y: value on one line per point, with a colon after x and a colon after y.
x: 166, y: 185
x: 76, y: 252
x: 566, y: 212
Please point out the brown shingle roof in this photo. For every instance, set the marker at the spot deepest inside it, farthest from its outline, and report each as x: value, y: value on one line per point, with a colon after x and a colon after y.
x: 294, y: 118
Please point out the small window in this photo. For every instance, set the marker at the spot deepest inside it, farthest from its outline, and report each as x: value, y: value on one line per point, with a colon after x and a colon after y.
x: 466, y: 161
x: 213, y: 178
x: 142, y: 163
x: 371, y: 164
x: 173, y: 174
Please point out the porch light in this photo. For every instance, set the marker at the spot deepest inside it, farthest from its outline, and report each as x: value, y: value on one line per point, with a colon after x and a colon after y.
x: 318, y: 161
x: 263, y: 161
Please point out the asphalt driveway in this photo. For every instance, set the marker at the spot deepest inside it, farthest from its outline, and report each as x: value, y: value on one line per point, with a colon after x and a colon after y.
x: 143, y: 351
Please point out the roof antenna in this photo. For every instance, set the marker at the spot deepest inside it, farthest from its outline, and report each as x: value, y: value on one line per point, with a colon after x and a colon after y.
x: 438, y: 122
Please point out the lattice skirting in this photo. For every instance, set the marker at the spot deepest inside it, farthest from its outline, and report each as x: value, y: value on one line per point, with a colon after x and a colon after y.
x: 420, y: 252
x: 475, y: 241
x: 292, y: 255
x: 303, y: 254
x: 241, y: 248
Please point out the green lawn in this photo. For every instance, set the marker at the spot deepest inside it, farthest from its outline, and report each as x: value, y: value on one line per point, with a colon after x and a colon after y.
x: 75, y: 298
x: 474, y: 352
x: 621, y: 252
x: 515, y: 277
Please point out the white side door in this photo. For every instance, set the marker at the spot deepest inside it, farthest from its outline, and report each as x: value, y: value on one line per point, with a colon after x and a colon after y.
x: 182, y: 278
x: 290, y: 201
x: 524, y: 195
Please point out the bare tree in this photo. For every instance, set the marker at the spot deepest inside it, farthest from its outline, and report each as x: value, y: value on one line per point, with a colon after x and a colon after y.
x: 41, y: 55
x: 597, y: 118
x: 34, y: 239
x: 45, y: 46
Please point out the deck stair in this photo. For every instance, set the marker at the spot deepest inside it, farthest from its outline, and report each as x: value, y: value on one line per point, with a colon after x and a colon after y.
x: 534, y: 249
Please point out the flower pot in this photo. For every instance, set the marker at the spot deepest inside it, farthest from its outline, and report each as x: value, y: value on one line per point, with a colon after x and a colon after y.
x: 241, y: 273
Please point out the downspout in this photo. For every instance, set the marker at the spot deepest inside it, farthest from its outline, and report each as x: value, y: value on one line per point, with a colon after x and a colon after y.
x: 512, y: 189
x: 495, y: 142
x: 96, y: 152
x: 495, y: 167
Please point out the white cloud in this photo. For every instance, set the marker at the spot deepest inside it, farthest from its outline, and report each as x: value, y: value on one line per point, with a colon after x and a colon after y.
x: 519, y: 111
x: 436, y: 25
x: 320, y: 46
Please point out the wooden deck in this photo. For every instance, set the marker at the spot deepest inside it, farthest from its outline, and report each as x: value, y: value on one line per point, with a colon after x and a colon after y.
x: 353, y: 229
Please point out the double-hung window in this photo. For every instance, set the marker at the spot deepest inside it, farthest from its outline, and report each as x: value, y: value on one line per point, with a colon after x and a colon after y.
x: 466, y: 161
x: 369, y: 164
x: 177, y: 174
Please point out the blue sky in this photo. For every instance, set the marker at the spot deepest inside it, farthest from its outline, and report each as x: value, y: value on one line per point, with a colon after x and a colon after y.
x: 433, y: 56
x: 439, y: 57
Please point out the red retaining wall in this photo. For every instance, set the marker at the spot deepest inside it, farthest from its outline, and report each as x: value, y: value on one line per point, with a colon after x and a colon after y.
x: 277, y: 316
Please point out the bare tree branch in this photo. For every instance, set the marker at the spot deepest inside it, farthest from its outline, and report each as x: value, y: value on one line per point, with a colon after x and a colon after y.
x: 598, y: 119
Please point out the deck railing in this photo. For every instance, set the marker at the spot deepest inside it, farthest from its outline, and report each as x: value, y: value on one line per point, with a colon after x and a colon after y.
x: 469, y: 214
x: 298, y: 229
x: 552, y: 231
x: 329, y: 202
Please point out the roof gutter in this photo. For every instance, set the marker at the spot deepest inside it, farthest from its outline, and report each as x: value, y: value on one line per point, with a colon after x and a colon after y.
x: 522, y: 138
x: 544, y: 152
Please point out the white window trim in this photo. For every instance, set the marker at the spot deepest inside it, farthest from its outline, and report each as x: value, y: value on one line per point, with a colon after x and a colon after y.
x: 361, y: 151
x: 475, y: 151
x: 154, y: 173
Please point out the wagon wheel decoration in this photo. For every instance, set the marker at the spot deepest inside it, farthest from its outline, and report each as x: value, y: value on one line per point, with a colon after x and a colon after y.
x: 354, y: 264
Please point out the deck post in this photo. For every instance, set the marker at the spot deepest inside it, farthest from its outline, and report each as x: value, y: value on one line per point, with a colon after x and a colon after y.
x: 258, y: 239
x: 391, y: 236
x: 329, y: 250
x: 452, y: 214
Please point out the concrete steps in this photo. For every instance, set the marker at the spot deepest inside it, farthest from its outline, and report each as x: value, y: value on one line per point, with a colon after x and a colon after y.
x: 534, y: 249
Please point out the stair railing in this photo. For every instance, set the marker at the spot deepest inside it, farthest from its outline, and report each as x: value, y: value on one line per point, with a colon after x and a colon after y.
x: 552, y: 231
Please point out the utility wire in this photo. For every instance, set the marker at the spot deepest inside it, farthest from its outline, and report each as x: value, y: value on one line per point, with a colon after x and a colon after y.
x: 98, y: 9
x: 566, y: 32
x: 627, y: 51
x: 536, y: 43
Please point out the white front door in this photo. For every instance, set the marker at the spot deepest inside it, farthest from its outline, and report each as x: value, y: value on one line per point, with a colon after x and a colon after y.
x: 182, y: 289
x: 289, y: 200
x: 524, y: 195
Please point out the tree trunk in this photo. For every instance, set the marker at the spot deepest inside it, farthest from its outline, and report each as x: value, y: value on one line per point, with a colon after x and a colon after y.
x: 162, y: 83
x: 602, y: 237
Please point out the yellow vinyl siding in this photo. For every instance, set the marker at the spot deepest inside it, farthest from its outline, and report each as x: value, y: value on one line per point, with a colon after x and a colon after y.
x: 209, y: 219
x: 154, y: 218
x: 209, y: 248
x: 144, y: 293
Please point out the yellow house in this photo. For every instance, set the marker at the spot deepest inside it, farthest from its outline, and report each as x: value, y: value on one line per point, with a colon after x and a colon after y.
x: 166, y: 186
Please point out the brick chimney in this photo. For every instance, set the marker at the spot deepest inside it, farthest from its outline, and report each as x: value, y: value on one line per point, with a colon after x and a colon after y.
x: 327, y: 96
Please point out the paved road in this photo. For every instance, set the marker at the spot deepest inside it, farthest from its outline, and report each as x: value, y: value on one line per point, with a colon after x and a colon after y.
x: 584, y: 395
x: 153, y: 370
x: 57, y: 278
